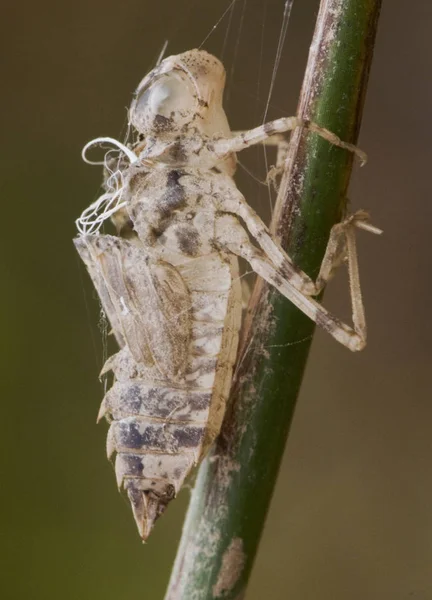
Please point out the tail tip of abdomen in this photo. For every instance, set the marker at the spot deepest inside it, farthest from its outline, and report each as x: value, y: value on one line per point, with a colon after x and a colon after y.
x: 147, y: 505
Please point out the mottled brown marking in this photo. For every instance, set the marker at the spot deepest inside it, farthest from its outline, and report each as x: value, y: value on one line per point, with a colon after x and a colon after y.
x: 188, y: 240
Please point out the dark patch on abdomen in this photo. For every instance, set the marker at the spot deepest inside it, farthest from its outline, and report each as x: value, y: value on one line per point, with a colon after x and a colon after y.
x: 188, y: 437
x: 168, y: 437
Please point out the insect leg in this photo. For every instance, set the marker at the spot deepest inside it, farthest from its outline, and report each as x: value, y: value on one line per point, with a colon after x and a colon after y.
x: 336, y: 247
x: 259, y: 134
x: 231, y: 234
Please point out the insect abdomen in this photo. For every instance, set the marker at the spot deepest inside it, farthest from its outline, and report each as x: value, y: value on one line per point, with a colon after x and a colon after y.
x: 161, y: 428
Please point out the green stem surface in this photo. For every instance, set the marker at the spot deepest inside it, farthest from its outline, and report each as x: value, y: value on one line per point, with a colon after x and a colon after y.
x: 235, y: 483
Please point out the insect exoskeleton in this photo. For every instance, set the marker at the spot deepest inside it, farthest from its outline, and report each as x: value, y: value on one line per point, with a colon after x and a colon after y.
x: 168, y: 279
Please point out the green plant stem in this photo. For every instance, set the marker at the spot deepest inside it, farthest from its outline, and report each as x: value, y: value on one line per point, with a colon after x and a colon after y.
x: 235, y: 483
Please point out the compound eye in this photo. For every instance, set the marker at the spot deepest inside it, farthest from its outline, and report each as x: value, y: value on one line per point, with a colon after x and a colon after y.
x: 167, y: 95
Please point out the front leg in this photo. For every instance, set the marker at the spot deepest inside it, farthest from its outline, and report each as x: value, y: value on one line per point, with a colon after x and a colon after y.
x: 292, y: 282
x: 257, y: 135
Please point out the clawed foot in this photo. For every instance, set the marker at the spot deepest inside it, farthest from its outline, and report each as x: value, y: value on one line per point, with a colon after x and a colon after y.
x: 361, y: 220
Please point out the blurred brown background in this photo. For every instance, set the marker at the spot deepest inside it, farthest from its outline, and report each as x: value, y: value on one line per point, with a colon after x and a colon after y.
x: 352, y: 513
